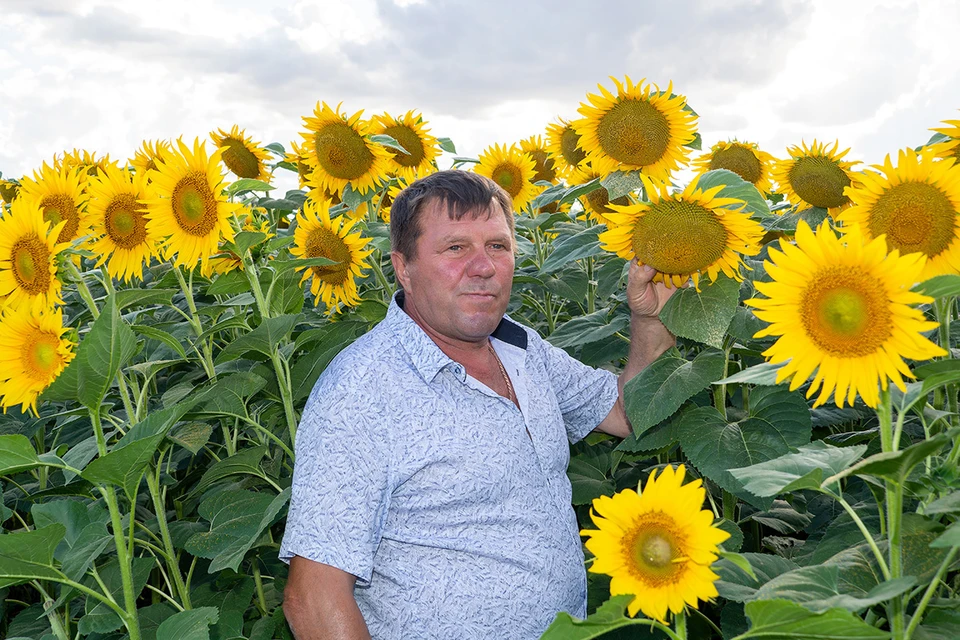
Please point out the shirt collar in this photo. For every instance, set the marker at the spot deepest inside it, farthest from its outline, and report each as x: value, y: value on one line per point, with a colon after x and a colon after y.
x: 424, y: 353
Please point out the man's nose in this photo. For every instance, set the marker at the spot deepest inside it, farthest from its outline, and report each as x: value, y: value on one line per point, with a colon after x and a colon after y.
x: 481, y: 265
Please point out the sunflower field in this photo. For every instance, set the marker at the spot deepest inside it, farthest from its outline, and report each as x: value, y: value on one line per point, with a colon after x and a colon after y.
x: 793, y: 471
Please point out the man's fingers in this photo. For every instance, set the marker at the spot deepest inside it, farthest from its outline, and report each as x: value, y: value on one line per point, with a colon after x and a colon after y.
x: 640, y: 275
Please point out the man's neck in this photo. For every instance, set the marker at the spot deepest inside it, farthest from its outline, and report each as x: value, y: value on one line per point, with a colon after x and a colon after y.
x: 470, y: 354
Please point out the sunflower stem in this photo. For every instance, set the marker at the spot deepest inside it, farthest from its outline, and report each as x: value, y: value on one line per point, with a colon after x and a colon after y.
x: 82, y: 288
x: 928, y: 594
x: 258, y: 581
x: 153, y: 484
x: 894, y: 499
x: 884, y: 569
x: 681, y: 625
x: 121, y: 379
x: 591, y: 287
x: 253, y: 277
x: 382, y: 280
x: 207, y: 353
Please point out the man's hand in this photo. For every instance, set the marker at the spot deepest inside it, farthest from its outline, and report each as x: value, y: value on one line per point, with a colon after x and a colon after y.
x: 644, y: 297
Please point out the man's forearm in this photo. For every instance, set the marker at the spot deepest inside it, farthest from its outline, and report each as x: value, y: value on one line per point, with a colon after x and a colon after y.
x: 327, y: 621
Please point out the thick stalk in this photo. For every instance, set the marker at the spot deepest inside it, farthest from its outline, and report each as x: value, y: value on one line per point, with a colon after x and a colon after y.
x: 382, y: 280
x: 82, y: 288
x: 258, y: 581
x: 286, y: 394
x: 928, y: 594
x: 253, y: 277
x: 121, y: 379
x: 863, y: 530
x: 591, y: 287
x: 681, y: 625
x: 153, y: 484
x: 894, y: 499
x: 56, y: 624
x: 207, y: 353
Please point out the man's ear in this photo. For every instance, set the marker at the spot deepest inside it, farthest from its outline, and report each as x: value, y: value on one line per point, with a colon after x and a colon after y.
x: 400, y: 269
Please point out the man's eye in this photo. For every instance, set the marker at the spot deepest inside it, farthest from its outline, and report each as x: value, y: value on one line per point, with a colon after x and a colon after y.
x: 454, y: 247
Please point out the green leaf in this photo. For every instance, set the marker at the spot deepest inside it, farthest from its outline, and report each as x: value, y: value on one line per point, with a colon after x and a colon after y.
x: 246, y: 240
x: 229, y: 283
x: 949, y: 538
x: 580, y: 190
x: 734, y: 543
x: 192, y: 624
x: 736, y: 187
x: 787, y: 223
x: 739, y: 561
x: 804, y: 469
x: 124, y: 467
x: 608, y: 617
x: 388, y: 141
x: 161, y: 336
x: 763, y: 374
x: 894, y: 465
x: 737, y: 585
x: 784, y: 620
x: 228, y: 396
x: 620, y: 183
x: 300, y: 263
x: 702, y: 315
x: 447, y: 145
x: 89, y: 545
x: 662, y: 387
x: 143, y: 297
x: 248, y: 184
x: 818, y: 589
x: 286, y: 296
x: 99, y: 617
x: 28, y: 555
x: 192, y: 436
x: 940, y: 286
x: 151, y: 617
x: 549, y: 196
x: 16, y: 455
x: 778, y: 422
x: 571, y: 248
x: 939, y: 624
x: 588, y: 328
x: 264, y: 339
x: 949, y: 503
x: 107, y: 347
x: 588, y: 482
x: 237, y: 518
x: 246, y: 462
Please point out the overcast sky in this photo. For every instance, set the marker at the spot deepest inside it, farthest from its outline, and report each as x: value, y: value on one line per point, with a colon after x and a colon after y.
x: 103, y: 75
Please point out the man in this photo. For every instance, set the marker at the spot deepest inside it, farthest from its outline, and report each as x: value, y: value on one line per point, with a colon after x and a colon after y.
x: 430, y: 496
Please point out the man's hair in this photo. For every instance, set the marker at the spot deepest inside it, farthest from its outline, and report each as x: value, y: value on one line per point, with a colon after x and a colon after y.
x: 461, y: 192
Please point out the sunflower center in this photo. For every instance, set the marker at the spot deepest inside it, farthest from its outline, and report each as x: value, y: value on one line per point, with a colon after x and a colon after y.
x: 31, y: 260
x: 655, y: 548
x: 323, y: 243
x: 570, y: 147
x: 125, y: 222
x: 341, y: 151
x: 240, y: 159
x: 39, y: 355
x: 599, y: 200
x: 819, y: 181
x: 57, y: 208
x: 508, y: 176
x: 846, y: 312
x: 679, y: 237
x: 194, y: 205
x: 739, y: 159
x: 543, y: 166
x: 410, y: 141
x: 634, y: 132
x: 916, y: 216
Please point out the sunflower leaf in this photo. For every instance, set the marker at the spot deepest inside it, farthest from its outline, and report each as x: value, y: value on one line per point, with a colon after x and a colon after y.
x: 28, y: 555
x: 16, y: 455
x: 894, y: 465
x: 785, y: 620
x: 581, y: 245
x: 248, y: 184
x: 447, y: 145
x: 579, y: 190
x: 189, y: 625
x: 620, y: 183
x: 763, y: 374
x: 608, y: 617
x: 702, y: 315
x: 736, y: 187
x: 940, y: 286
x: 803, y: 469
x: 264, y: 339
x: 787, y: 223
x: 388, y: 141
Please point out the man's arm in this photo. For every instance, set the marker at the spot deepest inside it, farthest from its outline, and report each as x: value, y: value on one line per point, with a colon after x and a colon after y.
x: 648, y: 339
x: 318, y: 603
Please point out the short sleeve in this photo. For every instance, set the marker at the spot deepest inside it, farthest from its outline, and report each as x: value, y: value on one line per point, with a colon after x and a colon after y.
x: 585, y: 395
x: 341, y: 484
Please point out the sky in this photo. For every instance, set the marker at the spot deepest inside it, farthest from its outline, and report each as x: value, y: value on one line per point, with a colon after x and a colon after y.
x: 103, y: 75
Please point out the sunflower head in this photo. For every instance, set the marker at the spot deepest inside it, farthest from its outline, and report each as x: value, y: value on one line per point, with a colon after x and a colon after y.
x: 144, y: 159
x: 117, y: 216
x: 411, y: 132
x: 816, y: 176
x: 683, y: 235
x: 28, y: 250
x: 33, y: 353
x: 950, y: 146
x: 597, y: 203
x: 60, y: 193
x: 843, y: 307
x: 339, y: 152
x: 639, y: 127
x: 188, y: 209
x: 743, y: 158
x: 915, y: 204
x: 9, y: 190
x: 657, y: 545
x: 87, y: 162
x: 298, y: 158
x: 563, y: 144
x: 512, y: 169
x: 320, y: 236
x: 241, y: 154
x: 545, y: 167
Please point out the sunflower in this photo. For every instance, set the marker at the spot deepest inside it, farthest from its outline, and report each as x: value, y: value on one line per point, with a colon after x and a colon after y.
x: 411, y: 132
x: 563, y: 143
x: 33, y: 353
x: 743, y: 158
x: 188, y: 207
x: 916, y: 205
x: 28, y: 247
x: 596, y: 204
x: 61, y: 197
x: 145, y: 158
x: 317, y: 236
x: 383, y: 201
x: 340, y: 153
x: 512, y: 169
x: 9, y: 190
x: 842, y: 307
x: 241, y: 154
x: 298, y: 158
x: 332, y: 198
x: 545, y: 167
x: 949, y: 148
x: 640, y: 127
x: 815, y: 176
x: 87, y: 161
x: 119, y: 222
x: 683, y: 235
x: 657, y: 546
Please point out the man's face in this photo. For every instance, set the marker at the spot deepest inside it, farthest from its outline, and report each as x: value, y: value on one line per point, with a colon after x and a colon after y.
x: 459, y: 282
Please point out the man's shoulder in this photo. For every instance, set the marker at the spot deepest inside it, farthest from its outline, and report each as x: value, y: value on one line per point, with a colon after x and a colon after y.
x: 371, y: 354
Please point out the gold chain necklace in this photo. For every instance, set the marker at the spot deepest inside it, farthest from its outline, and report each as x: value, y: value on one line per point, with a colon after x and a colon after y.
x: 512, y: 397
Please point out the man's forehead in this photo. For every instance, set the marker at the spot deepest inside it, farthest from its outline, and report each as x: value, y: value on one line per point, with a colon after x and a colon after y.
x: 442, y: 207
